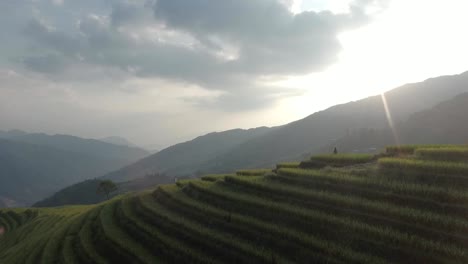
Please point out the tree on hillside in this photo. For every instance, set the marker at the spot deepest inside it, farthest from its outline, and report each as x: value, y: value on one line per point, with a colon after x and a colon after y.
x: 106, y: 187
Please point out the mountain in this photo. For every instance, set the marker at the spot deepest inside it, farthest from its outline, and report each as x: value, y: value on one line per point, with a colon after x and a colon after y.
x: 34, y: 166
x: 446, y: 123
x: 292, y: 141
x: 186, y: 158
x: 30, y: 172
x: 182, y: 159
x: 310, y: 134
x: 91, y: 147
x: 119, y: 141
x: 262, y: 147
x: 12, y: 133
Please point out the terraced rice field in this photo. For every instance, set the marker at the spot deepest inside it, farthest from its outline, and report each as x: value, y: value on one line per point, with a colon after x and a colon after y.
x: 337, y: 160
x: 400, y: 209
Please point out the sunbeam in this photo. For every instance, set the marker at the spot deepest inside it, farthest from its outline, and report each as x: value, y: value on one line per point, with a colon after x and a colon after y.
x: 390, y: 119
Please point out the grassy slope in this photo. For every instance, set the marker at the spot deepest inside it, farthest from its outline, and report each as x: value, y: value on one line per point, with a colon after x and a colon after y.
x: 407, y: 208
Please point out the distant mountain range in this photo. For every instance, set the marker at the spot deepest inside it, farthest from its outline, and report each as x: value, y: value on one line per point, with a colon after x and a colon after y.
x: 187, y: 158
x: 34, y: 166
x: 120, y: 141
x: 92, y: 147
x: 414, y: 109
x: 182, y: 160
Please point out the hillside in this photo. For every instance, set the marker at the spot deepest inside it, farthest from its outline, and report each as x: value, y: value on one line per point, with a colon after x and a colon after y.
x: 34, y: 166
x: 85, y: 192
x: 265, y: 147
x: 308, y: 135
x: 446, y: 123
x: 361, y: 209
x: 186, y: 158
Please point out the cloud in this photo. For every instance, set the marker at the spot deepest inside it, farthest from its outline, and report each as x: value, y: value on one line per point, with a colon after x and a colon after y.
x: 224, y: 45
x: 45, y: 64
x: 126, y: 12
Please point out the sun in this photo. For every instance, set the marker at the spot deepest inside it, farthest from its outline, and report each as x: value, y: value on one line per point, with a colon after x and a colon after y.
x: 392, y: 50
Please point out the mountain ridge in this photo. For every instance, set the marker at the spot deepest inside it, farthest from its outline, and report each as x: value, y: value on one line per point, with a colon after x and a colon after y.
x: 333, y: 115
x: 309, y: 134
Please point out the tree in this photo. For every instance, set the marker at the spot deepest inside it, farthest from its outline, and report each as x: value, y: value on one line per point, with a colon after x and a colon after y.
x: 335, y: 151
x: 106, y: 187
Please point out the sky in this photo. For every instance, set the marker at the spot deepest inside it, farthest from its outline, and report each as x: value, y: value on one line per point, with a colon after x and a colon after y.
x: 159, y: 72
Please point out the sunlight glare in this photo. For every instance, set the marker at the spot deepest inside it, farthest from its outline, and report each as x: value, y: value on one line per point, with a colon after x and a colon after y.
x: 390, y: 120
x: 396, y: 48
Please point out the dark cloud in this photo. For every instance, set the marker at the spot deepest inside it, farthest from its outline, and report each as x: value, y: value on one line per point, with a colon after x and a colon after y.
x: 130, y: 11
x: 52, y: 39
x: 224, y: 45
x: 271, y: 40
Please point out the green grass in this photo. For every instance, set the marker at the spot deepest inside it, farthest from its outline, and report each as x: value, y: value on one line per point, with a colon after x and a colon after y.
x: 195, y: 231
x: 451, y: 173
x: 409, y: 208
x: 290, y: 165
x: 383, y: 184
x: 336, y: 160
x: 419, y: 221
x: 253, y: 172
x: 214, y: 177
x: 429, y: 198
x: 320, y: 223
x: 253, y: 229
x: 344, y: 158
x: 88, y: 239
x: 271, y: 212
x: 443, y: 154
x: 410, y: 149
x: 122, y: 240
